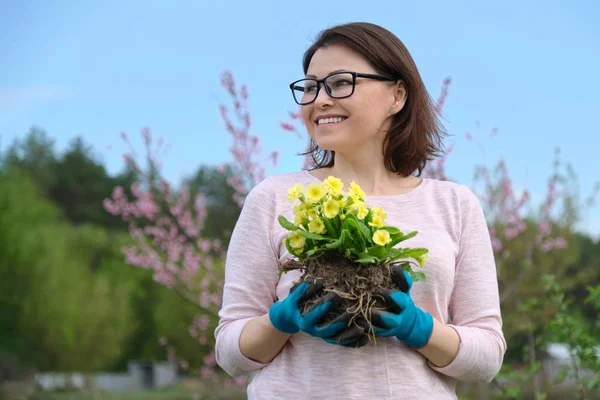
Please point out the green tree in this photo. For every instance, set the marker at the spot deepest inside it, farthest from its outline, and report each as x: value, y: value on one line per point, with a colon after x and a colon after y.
x: 76, y: 180
x: 36, y: 155
x: 55, y: 313
x: 222, y: 211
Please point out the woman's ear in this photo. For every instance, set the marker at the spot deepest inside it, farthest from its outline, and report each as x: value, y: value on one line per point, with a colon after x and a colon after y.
x: 399, y: 96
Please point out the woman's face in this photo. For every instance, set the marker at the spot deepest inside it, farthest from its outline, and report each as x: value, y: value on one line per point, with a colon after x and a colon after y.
x: 365, y: 115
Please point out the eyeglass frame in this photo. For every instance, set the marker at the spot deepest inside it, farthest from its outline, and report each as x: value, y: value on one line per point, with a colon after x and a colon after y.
x: 321, y: 82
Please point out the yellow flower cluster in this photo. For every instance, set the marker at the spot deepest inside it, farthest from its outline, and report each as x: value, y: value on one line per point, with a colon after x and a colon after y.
x: 329, y: 221
x: 321, y: 202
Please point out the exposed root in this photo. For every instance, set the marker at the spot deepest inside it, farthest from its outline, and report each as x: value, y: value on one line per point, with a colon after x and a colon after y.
x: 357, y: 285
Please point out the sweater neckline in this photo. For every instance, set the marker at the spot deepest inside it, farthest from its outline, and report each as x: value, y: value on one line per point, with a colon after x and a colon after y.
x: 411, y: 193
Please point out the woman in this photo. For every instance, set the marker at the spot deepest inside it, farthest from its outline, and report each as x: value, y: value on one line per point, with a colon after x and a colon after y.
x: 370, y: 121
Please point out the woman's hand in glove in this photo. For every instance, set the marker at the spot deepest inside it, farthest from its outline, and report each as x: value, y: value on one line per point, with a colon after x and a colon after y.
x: 402, y: 319
x: 285, y: 315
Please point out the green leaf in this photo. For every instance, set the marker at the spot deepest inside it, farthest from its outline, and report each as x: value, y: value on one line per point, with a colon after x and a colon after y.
x: 417, y: 276
x: 392, y: 230
x: 355, y: 234
x: 367, y: 259
x: 335, y: 244
x: 314, y: 236
x: 364, y: 230
x: 377, y: 251
x: 350, y: 241
x: 339, y: 242
x: 337, y: 225
x: 330, y: 228
x: 394, y: 253
x: 287, y: 224
x: 397, y: 238
x: 312, y: 252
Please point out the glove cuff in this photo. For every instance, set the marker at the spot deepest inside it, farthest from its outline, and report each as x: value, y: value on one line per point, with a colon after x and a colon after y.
x: 420, y: 336
x: 282, y: 326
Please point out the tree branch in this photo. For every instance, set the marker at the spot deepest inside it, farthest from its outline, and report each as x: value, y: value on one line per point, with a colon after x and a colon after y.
x: 513, y: 287
x: 190, y: 300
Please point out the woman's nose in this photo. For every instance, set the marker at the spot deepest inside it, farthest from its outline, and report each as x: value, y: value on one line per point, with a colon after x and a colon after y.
x: 323, y: 98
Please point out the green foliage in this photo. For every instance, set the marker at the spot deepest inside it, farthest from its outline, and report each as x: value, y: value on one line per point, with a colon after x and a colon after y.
x: 531, y: 243
x: 222, y: 211
x: 75, y: 181
x: 68, y: 301
x: 55, y: 312
x: 568, y: 326
x: 35, y: 155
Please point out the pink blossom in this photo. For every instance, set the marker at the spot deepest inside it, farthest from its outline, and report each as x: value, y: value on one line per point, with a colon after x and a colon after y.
x: 286, y: 126
x: 206, y: 372
x: 241, y: 380
x: 295, y: 115
x: 164, y: 279
x: 544, y: 228
x: 210, y: 359
x: 202, y: 322
x: 205, y: 300
x: 204, y: 245
x: 193, y: 331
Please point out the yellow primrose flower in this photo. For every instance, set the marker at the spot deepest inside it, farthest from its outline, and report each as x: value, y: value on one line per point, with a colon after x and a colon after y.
x: 422, y: 260
x: 362, y: 210
x: 334, y: 184
x: 342, y: 202
x: 331, y: 208
x: 377, y: 221
x: 316, y: 226
x: 379, y: 212
x: 296, y: 241
x: 315, y: 192
x: 300, y: 210
x: 381, y: 237
x: 312, y: 213
x: 298, y: 219
x: 295, y: 192
x: 356, y: 189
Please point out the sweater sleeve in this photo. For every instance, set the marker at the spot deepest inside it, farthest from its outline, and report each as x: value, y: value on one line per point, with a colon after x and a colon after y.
x: 475, y: 304
x: 251, y: 275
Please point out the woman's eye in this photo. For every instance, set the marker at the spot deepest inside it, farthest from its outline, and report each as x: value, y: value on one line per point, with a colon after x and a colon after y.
x: 310, y: 88
x: 341, y: 82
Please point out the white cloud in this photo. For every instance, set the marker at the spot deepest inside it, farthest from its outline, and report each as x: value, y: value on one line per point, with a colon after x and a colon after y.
x: 11, y: 97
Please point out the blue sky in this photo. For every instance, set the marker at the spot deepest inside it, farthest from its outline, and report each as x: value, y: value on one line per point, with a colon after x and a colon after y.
x: 98, y: 68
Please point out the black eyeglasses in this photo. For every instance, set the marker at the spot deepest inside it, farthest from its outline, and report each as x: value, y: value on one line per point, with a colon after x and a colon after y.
x: 338, y: 85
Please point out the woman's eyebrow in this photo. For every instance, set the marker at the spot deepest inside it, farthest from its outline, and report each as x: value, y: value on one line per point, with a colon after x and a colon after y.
x: 332, y: 72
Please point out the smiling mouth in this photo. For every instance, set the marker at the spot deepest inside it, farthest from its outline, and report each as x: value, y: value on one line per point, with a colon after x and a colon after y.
x: 330, y: 121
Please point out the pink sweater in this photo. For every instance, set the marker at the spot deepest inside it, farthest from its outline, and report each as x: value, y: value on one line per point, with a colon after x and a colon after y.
x: 461, y: 289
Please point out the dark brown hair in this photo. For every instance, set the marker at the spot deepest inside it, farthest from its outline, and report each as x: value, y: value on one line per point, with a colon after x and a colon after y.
x: 415, y: 136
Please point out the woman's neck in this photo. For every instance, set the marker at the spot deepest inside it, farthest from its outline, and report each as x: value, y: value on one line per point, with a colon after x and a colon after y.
x: 370, y: 175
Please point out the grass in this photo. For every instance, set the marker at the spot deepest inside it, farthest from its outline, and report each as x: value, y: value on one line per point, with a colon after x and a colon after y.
x: 186, y: 390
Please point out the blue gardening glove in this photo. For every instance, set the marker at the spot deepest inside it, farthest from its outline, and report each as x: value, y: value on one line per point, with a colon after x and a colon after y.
x: 403, y: 319
x: 285, y: 315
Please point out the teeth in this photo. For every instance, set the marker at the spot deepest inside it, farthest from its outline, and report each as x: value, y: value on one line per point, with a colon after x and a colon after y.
x: 333, y: 120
